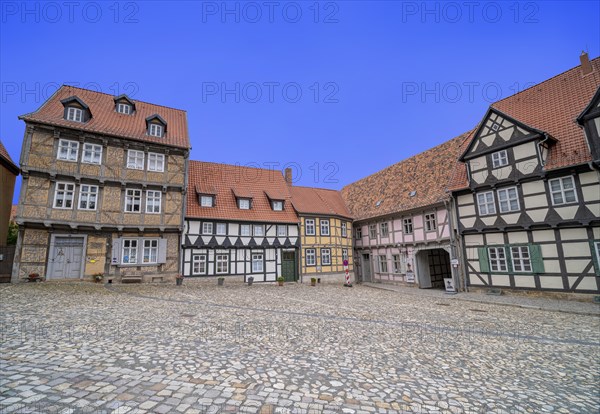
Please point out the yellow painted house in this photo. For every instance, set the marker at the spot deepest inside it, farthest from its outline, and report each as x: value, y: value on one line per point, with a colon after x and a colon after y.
x: 325, y: 234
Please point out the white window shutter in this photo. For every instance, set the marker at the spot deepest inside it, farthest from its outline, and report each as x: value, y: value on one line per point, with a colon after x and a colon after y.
x: 162, y: 251
x: 116, y: 251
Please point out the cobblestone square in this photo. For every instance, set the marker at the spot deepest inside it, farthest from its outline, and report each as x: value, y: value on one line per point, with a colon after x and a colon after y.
x: 198, y: 348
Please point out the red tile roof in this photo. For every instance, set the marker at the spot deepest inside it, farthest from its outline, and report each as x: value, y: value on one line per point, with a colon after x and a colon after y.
x: 426, y: 174
x: 5, y: 157
x: 319, y: 201
x: 553, y: 107
x: 245, y: 181
x: 105, y: 120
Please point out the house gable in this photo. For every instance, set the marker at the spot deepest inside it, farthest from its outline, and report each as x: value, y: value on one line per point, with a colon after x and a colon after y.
x: 589, y: 119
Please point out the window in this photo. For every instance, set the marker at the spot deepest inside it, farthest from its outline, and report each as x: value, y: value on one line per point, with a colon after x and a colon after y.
x: 310, y: 257
x: 67, y: 150
x: 344, y: 229
x: 344, y: 255
x: 74, y: 114
x: 92, y: 154
x: 521, y: 260
x: 63, y: 196
x: 124, y: 108
x: 383, y: 227
x: 383, y: 265
x: 597, y: 244
x: 325, y: 257
x: 221, y: 229
x: 281, y: 231
x: 309, y: 225
x: 485, y: 201
x: 430, y: 223
x: 257, y: 263
x: 156, y: 162
x: 277, y: 205
x: 130, y: 250
x: 359, y: 233
x: 153, y: 201
x: 408, y: 225
x: 259, y: 230
x: 207, y: 228
x: 222, y: 263
x: 396, y: 263
x: 150, y: 251
x: 372, y: 231
x: 508, y: 200
x: 199, y: 264
x: 563, y: 190
x: 497, y: 259
x: 135, y: 159
x: 88, y: 196
x: 206, y: 201
x: 155, y: 130
x: 244, y: 204
x: 499, y: 159
x: 133, y: 201
x: 245, y: 230
x: 324, y: 227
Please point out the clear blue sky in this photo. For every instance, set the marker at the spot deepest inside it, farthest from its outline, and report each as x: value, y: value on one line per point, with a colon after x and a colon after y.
x: 379, y: 81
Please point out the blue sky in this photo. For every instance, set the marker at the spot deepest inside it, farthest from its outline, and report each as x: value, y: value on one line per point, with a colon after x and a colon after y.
x: 336, y: 89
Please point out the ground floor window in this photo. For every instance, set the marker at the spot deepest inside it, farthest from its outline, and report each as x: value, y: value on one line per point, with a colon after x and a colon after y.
x: 383, y: 265
x: 325, y: 257
x: 497, y: 259
x: 151, y: 251
x: 521, y: 261
x: 130, y: 249
x: 310, y: 257
x: 344, y: 254
x: 396, y: 263
x: 257, y: 263
x: 199, y: 264
x: 222, y: 262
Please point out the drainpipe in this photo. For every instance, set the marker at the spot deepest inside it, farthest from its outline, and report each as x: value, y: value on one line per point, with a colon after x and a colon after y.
x: 456, y: 274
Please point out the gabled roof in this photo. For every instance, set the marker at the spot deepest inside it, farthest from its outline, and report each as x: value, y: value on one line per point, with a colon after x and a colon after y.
x: 551, y: 106
x: 109, y: 122
x: 389, y: 191
x: 592, y: 108
x: 231, y: 180
x: 319, y: 201
x: 7, y: 161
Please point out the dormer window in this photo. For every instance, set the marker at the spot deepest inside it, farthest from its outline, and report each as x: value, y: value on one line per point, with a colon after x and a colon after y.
x: 156, y: 126
x: 207, y: 201
x: 76, y: 110
x: 124, y: 105
x: 244, y: 204
x: 277, y: 205
x: 124, y: 108
x: 74, y: 114
x: 155, y: 130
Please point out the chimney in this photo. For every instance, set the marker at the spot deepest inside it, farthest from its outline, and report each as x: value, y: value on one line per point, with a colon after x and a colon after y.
x: 288, y: 176
x: 586, y: 66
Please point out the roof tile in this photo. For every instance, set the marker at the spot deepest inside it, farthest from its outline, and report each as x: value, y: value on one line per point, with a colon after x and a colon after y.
x: 319, y: 201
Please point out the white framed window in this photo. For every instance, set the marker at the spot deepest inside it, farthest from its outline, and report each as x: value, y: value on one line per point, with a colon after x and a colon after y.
x: 257, y: 263
x: 344, y: 255
x: 325, y: 257
x: 133, y: 201
x: 277, y: 205
x: 485, y: 202
x: 74, y: 114
x: 153, y: 201
x: 244, y: 204
x: 63, y: 195
x: 155, y: 130
x: 259, y: 230
x: 497, y: 256
x: 91, y: 154
x: 597, y: 244
x: 562, y: 190
x: 130, y: 251
x: 67, y: 150
x: 221, y: 229
x: 311, y: 257
x: 499, y: 159
x: 508, y: 199
x: 359, y: 233
x: 245, y: 230
x: 383, y: 227
x: 396, y: 263
x: 281, y: 231
x: 135, y: 160
x: 124, y: 108
x: 344, y: 229
x: 430, y: 222
x: 222, y: 263
x: 408, y: 225
x: 199, y: 264
x: 324, y: 227
x: 383, y: 264
x: 521, y: 260
x: 207, y: 228
x: 88, y: 197
x: 156, y: 162
x: 309, y: 226
x: 206, y: 201
x: 372, y: 231
x: 150, y: 251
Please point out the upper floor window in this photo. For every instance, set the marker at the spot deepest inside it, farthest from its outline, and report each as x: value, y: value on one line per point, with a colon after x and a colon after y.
x: 372, y: 231
x: 344, y: 229
x: 383, y: 227
x: 74, y: 114
x: 124, y: 108
x: 156, y: 162
x: 277, y: 205
x: 499, y: 159
x: 88, y: 196
x: 63, y: 195
x: 221, y: 229
x: 259, y: 230
x: 408, y: 225
x: 153, y: 201
x: 155, y: 130
x: 359, y: 233
x: 324, y: 227
x: 563, y: 190
x: 245, y: 230
x: 206, y: 201
x: 485, y: 202
x: 244, y: 204
x: 67, y: 150
x: 92, y: 154
x: 281, y: 231
x: 508, y: 200
x: 309, y: 227
x: 135, y: 159
x: 133, y: 201
x: 430, y: 222
x: 207, y: 228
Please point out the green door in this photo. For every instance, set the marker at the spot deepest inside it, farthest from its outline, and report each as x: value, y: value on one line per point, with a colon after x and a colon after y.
x: 288, y: 266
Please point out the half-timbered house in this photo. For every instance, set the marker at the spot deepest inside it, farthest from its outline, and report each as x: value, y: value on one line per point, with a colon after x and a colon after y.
x: 103, y: 185
x: 527, y: 191
x: 239, y: 223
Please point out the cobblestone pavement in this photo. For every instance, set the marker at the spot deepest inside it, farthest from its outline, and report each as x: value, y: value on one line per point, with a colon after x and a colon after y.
x: 73, y: 348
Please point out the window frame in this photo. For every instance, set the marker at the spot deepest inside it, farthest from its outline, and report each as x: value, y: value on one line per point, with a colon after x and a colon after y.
x: 87, y: 194
x: 358, y: 233
x: 285, y: 230
x: 156, y: 130
x: 508, y: 199
x: 312, y: 225
x: 310, y: 253
x: 502, y: 159
x: 396, y: 264
x: 76, y: 111
x: 262, y: 230
x: 382, y: 263
x: 135, y: 154
x: 199, y: 262
x: 372, y: 231
x: 157, y: 157
x: 324, y: 224
x: 133, y: 198
x: 65, y: 191
x: 69, y: 150
x: 344, y: 229
x: 384, y: 225
x: 94, y: 150
x: 244, y: 200
x: 123, y: 247
x: 150, y: 249
x: 520, y: 259
x: 256, y: 260
x: 562, y: 191
x: 207, y: 228
x: 151, y: 201
x: 204, y: 197
x: 218, y: 261
x: 124, y: 105
x: 497, y: 260
x: 246, y: 226
x: 345, y: 256
x: 325, y: 252
x: 486, y: 203
x: 217, y: 232
x: 430, y: 222
x: 277, y: 203
x: 407, y: 224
